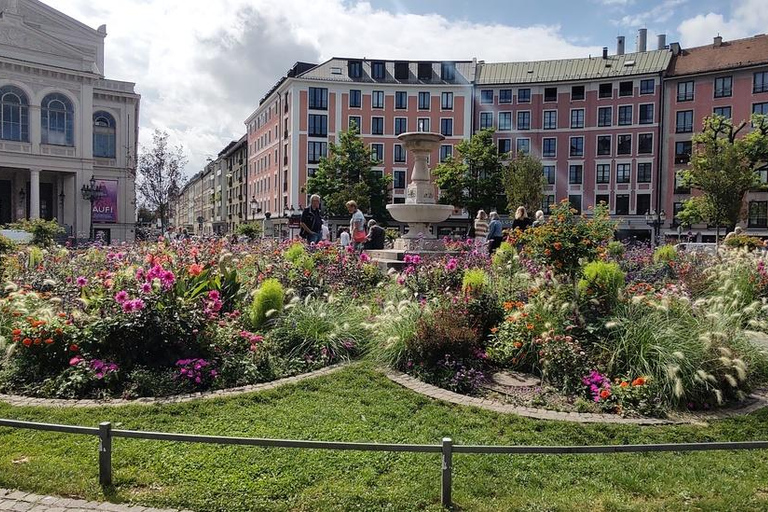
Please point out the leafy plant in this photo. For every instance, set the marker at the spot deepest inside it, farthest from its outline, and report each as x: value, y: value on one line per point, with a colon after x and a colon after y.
x: 616, y: 249
x: 250, y: 229
x: 665, y: 254
x: 267, y: 301
x: 601, y: 281
x: 743, y: 241
x: 475, y: 281
x: 44, y: 232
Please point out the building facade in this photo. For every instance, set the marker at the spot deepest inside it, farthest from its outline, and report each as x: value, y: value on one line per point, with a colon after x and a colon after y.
x: 235, y: 162
x: 63, y: 123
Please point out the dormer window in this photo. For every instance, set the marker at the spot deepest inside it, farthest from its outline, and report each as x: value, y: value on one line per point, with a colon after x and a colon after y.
x: 355, y: 69
x: 425, y: 71
x: 401, y: 71
x: 378, y: 70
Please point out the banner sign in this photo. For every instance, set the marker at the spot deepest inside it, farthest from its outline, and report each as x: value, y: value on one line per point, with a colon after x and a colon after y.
x: 105, y: 208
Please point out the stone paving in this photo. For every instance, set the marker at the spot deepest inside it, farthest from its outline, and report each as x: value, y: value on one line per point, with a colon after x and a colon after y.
x: 22, y: 501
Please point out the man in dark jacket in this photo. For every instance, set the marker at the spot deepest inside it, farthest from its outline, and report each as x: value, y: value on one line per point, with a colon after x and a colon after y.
x: 376, y: 236
x: 312, y: 221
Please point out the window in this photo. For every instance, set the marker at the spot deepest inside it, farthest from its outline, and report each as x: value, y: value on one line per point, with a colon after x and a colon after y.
x: 577, y: 93
x: 645, y: 143
x: 626, y: 88
x: 401, y: 100
x: 355, y: 69
x: 625, y: 115
x: 402, y: 71
x: 14, y: 114
x: 606, y: 91
x: 377, y: 126
x: 505, y: 146
x: 523, y: 95
x: 623, y: 173
x: 546, y: 204
x: 318, y: 98
x: 355, y: 98
x: 647, y: 86
x: 103, y: 135
x: 505, y: 96
x: 549, y: 147
x: 603, y: 145
x: 399, y: 179
x: 486, y: 96
x: 722, y: 111
x: 577, y: 146
x: 603, y: 173
x: 401, y: 125
x: 680, y: 187
x: 58, y: 120
x: 549, y: 174
x: 684, y: 122
x: 378, y: 70
x: 356, y: 123
x: 760, y: 82
x: 760, y: 108
x: 685, y: 91
x: 605, y: 116
x: 425, y: 71
x: 550, y: 94
x: 624, y: 145
x: 683, y: 152
x: 446, y: 127
x: 424, y: 101
x: 676, y: 209
x: 316, y: 151
x: 622, y: 204
x: 423, y: 124
x: 446, y: 101
x: 505, y: 121
x: 723, y: 87
x: 762, y: 175
x: 377, y: 99
x: 377, y: 152
x: 575, y: 173
x: 446, y: 151
x: 644, y: 172
x: 603, y: 199
x: 524, y: 146
x: 318, y: 125
x: 523, y: 120
x: 575, y: 200
x: 646, y: 113
x: 577, y: 118
x: 448, y: 71
x: 643, y: 203
x: 758, y: 214
x: 399, y: 154
x: 550, y: 119
x: 486, y: 120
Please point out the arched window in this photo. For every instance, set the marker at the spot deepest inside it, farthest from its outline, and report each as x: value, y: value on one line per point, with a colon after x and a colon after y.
x: 14, y: 114
x: 103, y: 135
x: 58, y: 120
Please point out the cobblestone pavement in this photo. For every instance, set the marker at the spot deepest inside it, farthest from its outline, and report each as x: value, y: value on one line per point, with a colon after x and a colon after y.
x: 22, y: 501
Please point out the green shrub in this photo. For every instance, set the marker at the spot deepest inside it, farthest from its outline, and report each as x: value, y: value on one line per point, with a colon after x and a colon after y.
x: 268, y: 300
x: 741, y: 240
x: 35, y: 257
x: 505, y: 257
x: 601, y: 281
x: 616, y: 249
x: 43, y: 231
x: 295, y: 252
x: 6, y: 245
x: 665, y: 254
x: 250, y: 229
x: 475, y: 280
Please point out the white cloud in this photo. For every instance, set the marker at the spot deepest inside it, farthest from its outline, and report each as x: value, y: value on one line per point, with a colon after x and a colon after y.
x: 747, y: 18
x: 658, y: 14
x: 616, y: 2
x: 202, y: 66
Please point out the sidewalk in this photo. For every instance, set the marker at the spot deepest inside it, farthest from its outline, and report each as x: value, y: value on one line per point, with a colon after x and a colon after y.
x: 22, y: 501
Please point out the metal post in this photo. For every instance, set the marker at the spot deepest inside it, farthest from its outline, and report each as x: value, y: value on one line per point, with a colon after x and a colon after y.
x: 105, y: 453
x: 445, y: 490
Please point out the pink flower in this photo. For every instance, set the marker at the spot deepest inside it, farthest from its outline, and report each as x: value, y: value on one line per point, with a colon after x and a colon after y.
x: 75, y: 361
x: 365, y: 258
x: 81, y: 281
x: 121, y: 296
x: 146, y: 288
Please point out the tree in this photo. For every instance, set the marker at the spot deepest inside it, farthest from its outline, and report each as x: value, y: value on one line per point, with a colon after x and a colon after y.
x: 723, y: 167
x: 474, y: 178
x: 347, y: 174
x: 524, y: 182
x: 158, y: 176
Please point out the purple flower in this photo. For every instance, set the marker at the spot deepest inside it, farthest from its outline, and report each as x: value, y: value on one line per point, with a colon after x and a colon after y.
x: 81, y: 281
x: 451, y: 265
x: 365, y: 258
x: 121, y: 296
x: 146, y: 288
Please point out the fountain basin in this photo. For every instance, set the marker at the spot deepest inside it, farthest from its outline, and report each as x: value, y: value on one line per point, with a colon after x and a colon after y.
x: 420, y: 213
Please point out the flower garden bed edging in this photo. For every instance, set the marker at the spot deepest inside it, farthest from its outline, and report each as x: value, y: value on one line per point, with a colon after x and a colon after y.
x: 24, y: 401
x: 759, y: 397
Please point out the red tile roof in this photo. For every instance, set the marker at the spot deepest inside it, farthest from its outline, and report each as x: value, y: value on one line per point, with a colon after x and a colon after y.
x: 730, y: 54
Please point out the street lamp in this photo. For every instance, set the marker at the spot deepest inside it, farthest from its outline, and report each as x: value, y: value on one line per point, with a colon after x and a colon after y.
x: 655, y: 221
x: 92, y: 192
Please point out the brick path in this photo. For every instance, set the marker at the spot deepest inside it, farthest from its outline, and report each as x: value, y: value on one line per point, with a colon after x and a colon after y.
x: 19, y: 500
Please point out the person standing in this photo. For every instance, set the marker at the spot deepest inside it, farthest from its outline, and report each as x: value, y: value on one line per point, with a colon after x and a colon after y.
x: 481, y: 227
x: 326, y: 232
x: 312, y: 221
x: 267, y: 226
x: 521, y: 222
x: 494, y: 236
x: 376, y: 237
x: 344, y: 237
x: 540, y: 221
x: 356, y: 225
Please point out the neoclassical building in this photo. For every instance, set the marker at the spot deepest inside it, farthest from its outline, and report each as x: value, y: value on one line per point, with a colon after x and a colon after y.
x: 63, y: 125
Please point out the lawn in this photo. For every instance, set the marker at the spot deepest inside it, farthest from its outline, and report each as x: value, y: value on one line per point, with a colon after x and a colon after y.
x: 360, y: 404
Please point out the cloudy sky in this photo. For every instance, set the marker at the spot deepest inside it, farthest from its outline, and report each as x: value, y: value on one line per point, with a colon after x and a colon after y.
x: 201, y: 66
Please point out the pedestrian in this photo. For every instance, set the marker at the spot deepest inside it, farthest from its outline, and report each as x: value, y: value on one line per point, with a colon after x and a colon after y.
x: 312, y: 221
x: 267, y: 226
x: 344, y: 237
x: 540, y: 221
x: 481, y: 227
x: 356, y: 225
x: 521, y: 222
x: 376, y: 237
x: 494, y: 236
x: 326, y: 232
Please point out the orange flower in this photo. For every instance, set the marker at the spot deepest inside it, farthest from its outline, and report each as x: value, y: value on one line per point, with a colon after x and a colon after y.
x: 605, y: 394
x: 48, y: 341
x: 624, y: 384
x: 27, y: 342
x: 494, y: 330
x: 529, y: 327
x: 518, y: 344
x: 557, y: 246
x: 638, y: 381
x: 37, y: 341
x: 16, y: 332
x: 509, y: 305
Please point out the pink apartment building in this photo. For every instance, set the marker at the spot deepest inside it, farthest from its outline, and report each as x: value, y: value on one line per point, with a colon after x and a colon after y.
x: 729, y: 78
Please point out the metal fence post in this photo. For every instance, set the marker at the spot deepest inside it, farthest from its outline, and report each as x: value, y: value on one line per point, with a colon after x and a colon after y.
x: 445, y: 489
x: 105, y: 453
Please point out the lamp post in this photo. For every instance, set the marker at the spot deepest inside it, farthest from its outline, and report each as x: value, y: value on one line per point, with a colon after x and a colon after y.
x: 655, y: 221
x: 92, y: 192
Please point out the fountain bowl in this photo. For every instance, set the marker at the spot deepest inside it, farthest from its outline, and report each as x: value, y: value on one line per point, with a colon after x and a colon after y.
x: 420, y: 213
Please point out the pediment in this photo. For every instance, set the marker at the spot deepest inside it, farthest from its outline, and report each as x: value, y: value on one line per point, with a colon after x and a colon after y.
x: 42, y: 16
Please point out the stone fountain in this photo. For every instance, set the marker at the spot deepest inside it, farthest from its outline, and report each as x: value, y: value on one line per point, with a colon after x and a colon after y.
x: 420, y: 208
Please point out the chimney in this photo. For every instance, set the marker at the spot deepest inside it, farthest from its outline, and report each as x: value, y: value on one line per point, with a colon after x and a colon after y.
x: 605, y: 52
x: 662, y: 44
x: 642, y: 39
x: 718, y: 41
x: 620, y: 45
x: 676, y: 48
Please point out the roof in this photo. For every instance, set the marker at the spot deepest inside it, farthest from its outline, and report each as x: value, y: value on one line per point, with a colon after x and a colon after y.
x: 337, y: 70
x: 592, y: 68
x: 730, y: 54
x: 297, y: 68
x: 234, y: 146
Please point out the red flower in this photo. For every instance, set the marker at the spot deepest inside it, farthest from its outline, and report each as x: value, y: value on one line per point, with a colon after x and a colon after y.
x: 605, y: 394
x: 195, y: 269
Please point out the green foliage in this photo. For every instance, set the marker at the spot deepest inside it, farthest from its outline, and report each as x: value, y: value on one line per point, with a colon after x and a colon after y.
x: 267, y: 302
x: 394, y: 330
x: 43, y: 232
x: 35, y: 257
x: 601, y: 281
x: 524, y: 182
x: 741, y: 240
x: 665, y: 254
x: 295, y: 252
x: 473, y: 178
x: 505, y: 257
x: 616, y: 249
x: 250, y: 229
x: 6, y: 245
x: 475, y: 280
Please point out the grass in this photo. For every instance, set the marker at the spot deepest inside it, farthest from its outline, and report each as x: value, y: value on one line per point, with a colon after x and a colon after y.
x: 360, y: 404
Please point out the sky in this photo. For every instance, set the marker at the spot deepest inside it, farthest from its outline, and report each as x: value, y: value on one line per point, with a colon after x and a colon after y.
x: 201, y: 66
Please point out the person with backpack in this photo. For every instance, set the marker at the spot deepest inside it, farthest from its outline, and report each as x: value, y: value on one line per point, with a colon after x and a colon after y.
x: 356, y: 225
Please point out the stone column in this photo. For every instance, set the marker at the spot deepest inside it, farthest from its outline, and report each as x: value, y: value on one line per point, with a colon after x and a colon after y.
x: 35, y: 129
x: 34, y: 193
